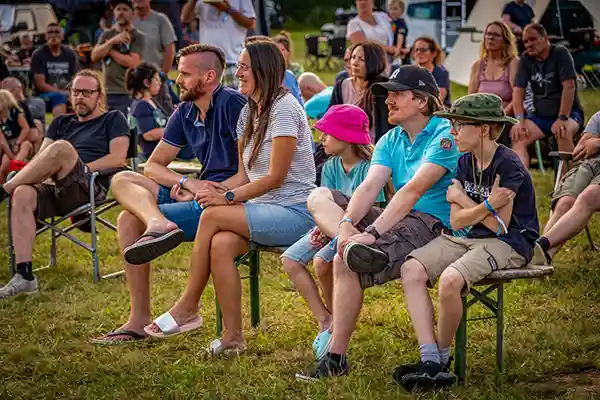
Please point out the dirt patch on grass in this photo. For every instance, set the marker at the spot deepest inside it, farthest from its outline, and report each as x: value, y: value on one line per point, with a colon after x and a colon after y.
x: 578, y: 385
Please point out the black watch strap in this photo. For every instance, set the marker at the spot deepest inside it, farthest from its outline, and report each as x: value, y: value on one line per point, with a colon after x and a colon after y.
x: 563, y: 117
x: 371, y: 230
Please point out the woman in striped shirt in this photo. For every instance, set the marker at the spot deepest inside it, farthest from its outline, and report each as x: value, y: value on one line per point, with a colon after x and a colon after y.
x: 265, y: 202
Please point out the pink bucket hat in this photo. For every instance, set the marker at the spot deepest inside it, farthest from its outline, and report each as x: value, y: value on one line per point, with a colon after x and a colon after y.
x: 347, y: 123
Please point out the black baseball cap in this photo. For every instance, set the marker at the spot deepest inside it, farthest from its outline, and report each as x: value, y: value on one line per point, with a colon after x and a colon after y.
x: 114, y: 3
x: 408, y: 77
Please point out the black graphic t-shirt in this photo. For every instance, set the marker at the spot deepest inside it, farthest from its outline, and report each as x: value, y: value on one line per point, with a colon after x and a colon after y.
x: 58, y: 70
x: 546, y: 79
x: 523, y: 227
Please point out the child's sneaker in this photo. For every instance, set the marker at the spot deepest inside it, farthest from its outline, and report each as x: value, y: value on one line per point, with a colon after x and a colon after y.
x: 325, y: 368
x: 430, y: 375
x: 364, y: 259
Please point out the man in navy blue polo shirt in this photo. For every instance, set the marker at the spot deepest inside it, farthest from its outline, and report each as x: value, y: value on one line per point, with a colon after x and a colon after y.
x: 160, y: 211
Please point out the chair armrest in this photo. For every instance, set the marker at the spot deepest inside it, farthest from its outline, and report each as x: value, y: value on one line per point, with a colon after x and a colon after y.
x: 563, y: 155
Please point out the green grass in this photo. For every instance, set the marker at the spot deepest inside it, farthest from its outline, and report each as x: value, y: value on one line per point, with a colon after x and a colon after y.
x: 551, y: 338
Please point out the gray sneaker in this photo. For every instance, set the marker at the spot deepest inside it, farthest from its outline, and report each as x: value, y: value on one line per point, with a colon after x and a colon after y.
x: 19, y: 285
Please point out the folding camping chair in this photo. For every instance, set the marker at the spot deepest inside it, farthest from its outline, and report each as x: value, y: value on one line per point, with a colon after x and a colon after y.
x: 87, y: 214
x: 564, y: 159
x: 316, y: 49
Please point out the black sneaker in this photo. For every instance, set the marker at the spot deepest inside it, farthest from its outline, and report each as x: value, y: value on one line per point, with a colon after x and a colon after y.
x: 325, y: 368
x: 364, y: 259
x: 406, y: 369
x: 429, y: 376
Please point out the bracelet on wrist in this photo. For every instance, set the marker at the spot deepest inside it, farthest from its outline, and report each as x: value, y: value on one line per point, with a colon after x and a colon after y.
x: 182, y: 181
x: 346, y: 219
x: 489, y: 207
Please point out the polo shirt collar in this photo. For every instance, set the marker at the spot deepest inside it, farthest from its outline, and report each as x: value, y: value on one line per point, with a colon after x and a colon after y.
x: 192, y: 113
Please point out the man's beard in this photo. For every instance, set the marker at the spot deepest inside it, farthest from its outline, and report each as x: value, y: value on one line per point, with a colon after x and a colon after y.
x: 195, y: 93
x: 84, y: 111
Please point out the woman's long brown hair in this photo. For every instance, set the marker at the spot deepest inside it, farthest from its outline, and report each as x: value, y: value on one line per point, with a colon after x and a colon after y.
x: 268, y: 69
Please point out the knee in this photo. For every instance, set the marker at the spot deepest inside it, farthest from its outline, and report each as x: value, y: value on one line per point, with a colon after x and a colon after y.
x: 24, y: 198
x: 589, y: 199
x: 564, y: 204
x: 221, y: 246
x: 61, y: 150
x: 414, y: 273
x: 290, y: 266
x: 128, y: 223
x: 451, y: 283
x: 317, y: 198
x: 122, y: 178
x: 322, y: 268
x: 340, y: 269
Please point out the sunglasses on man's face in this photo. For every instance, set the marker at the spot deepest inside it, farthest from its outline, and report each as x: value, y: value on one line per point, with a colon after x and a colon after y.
x: 84, y: 92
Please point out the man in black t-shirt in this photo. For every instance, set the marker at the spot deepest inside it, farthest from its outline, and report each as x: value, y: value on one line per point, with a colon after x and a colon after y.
x: 517, y: 15
x: 550, y: 71
x: 75, y: 146
x: 53, y: 66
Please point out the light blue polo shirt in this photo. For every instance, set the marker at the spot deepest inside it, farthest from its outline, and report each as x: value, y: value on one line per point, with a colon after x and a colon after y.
x: 335, y: 177
x: 434, y: 144
x: 317, y: 105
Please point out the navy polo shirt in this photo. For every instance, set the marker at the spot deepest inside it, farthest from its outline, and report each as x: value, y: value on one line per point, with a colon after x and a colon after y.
x: 213, y: 141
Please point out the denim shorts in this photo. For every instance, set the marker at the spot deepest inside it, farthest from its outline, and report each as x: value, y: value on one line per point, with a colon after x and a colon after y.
x: 54, y: 98
x: 185, y: 214
x: 274, y: 225
x: 545, y: 123
x: 303, y: 252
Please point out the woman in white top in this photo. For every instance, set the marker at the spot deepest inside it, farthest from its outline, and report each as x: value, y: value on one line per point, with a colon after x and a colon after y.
x: 375, y: 26
x: 265, y: 202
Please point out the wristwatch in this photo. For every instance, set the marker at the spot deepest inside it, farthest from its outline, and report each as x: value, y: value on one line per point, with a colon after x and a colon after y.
x: 563, y: 117
x: 229, y: 196
x: 371, y: 230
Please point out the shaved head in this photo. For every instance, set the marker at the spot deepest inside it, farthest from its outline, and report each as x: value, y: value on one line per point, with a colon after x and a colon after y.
x: 14, y: 86
x: 310, y: 84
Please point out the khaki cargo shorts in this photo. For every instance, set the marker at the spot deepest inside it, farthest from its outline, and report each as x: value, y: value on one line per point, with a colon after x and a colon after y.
x: 415, y: 230
x: 577, y: 179
x: 473, y: 258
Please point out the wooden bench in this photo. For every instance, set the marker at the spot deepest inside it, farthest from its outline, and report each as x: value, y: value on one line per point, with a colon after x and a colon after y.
x: 494, y: 283
x: 181, y: 167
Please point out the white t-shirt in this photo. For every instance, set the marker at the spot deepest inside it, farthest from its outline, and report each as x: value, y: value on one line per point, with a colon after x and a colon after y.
x: 219, y: 29
x: 380, y: 33
x: 287, y: 118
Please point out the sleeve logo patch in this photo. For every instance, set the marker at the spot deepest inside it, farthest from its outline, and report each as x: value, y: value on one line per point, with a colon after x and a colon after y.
x: 446, y: 144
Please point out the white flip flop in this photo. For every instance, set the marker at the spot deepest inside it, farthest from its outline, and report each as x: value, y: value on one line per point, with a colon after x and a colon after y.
x: 217, y: 348
x: 169, y: 327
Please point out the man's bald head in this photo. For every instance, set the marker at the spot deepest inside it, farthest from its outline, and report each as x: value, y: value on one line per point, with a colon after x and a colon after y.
x: 310, y: 84
x: 14, y: 86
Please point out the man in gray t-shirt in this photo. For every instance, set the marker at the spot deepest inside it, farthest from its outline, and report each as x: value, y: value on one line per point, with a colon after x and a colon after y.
x: 119, y: 48
x: 159, y: 35
x: 577, y: 196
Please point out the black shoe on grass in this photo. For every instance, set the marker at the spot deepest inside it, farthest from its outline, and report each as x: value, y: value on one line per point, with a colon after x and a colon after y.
x: 325, y: 368
x: 429, y: 376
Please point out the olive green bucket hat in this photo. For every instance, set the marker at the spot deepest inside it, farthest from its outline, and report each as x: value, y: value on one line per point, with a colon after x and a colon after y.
x: 482, y: 107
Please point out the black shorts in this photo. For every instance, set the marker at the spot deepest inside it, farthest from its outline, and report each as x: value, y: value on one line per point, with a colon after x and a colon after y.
x: 67, y: 194
x: 414, y: 231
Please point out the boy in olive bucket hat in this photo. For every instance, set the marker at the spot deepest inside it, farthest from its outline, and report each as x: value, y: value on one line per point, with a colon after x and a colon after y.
x: 492, y: 200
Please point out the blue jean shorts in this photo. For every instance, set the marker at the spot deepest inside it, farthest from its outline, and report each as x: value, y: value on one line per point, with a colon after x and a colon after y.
x: 303, y: 252
x: 54, y: 98
x: 185, y: 214
x: 545, y: 123
x: 274, y: 225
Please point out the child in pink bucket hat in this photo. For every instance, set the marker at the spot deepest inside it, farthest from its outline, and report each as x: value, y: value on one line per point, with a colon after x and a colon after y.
x: 346, y: 140
x: 347, y: 123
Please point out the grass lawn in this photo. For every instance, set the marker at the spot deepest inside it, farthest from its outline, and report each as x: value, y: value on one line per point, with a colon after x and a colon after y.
x: 552, y: 342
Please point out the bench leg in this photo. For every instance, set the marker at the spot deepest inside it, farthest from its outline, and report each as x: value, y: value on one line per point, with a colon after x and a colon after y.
x: 500, y: 329
x: 590, y: 239
x: 460, y: 345
x: 254, y: 288
x: 11, y: 248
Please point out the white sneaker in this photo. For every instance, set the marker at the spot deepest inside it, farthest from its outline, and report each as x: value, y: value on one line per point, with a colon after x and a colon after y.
x: 19, y: 285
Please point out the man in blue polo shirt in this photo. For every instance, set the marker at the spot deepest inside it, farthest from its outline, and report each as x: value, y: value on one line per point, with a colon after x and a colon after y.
x: 160, y: 211
x: 421, y: 158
